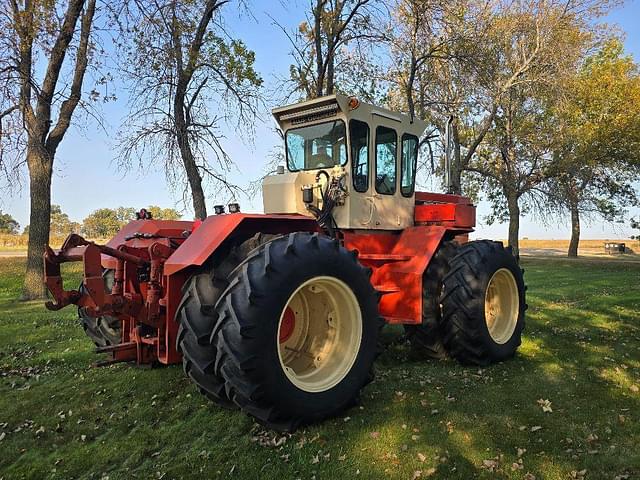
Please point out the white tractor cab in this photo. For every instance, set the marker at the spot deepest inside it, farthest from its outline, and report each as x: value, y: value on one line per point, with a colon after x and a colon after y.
x: 351, y: 165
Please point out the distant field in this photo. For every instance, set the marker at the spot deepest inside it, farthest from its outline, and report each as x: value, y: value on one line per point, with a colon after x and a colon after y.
x: 564, y: 244
x: 61, y: 418
x: 18, y: 243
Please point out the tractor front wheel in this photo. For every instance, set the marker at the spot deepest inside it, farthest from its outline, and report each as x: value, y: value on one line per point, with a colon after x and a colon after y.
x: 483, y: 304
x: 297, y: 331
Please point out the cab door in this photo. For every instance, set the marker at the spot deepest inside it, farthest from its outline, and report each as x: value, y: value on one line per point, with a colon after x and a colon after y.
x: 391, y: 197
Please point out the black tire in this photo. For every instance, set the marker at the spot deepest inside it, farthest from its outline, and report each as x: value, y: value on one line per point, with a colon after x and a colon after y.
x: 106, y: 330
x: 247, y: 332
x: 426, y: 338
x: 196, y: 316
x: 465, y: 332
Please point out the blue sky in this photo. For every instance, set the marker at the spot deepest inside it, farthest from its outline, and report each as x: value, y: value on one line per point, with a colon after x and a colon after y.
x: 86, y: 177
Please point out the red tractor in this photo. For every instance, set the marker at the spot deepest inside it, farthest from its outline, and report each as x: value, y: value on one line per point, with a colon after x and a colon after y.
x: 279, y: 313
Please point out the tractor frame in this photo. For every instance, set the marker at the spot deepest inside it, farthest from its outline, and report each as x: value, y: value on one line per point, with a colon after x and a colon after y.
x: 153, y: 259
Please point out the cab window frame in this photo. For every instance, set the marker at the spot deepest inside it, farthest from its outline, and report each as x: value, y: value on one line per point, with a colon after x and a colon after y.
x: 293, y: 129
x: 412, y: 185
x: 355, y: 161
x: 395, y: 163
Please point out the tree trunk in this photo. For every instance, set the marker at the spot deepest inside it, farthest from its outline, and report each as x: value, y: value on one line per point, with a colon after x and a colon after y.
x: 190, y: 166
x: 514, y: 223
x: 330, y: 73
x: 575, y: 230
x: 317, y: 37
x: 40, y: 169
x: 193, y: 176
x: 456, y: 168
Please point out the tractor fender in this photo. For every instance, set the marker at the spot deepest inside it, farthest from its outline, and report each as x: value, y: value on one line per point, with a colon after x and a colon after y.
x: 214, y: 230
x: 398, y: 262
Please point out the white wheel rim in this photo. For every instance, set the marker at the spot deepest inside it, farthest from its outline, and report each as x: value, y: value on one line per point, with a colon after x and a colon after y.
x: 501, y: 306
x: 318, y: 350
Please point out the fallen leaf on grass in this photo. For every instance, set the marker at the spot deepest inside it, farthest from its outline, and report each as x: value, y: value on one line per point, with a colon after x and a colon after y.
x: 546, y: 405
x: 535, y: 428
x: 421, y: 457
x: 490, y: 464
x: 450, y: 427
x: 529, y: 476
x: 375, y: 434
x: 634, y: 388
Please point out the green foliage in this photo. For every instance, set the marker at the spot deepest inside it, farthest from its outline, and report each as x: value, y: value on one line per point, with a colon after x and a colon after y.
x: 597, y: 157
x: 440, y: 418
x: 8, y: 224
x: 160, y: 213
x: 61, y: 225
x: 106, y: 222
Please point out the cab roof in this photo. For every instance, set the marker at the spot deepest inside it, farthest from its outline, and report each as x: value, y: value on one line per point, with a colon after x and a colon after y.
x: 331, y: 105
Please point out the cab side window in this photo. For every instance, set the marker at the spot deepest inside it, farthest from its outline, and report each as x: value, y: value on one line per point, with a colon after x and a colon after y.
x: 408, y: 161
x: 386, y: 152
x: 359, y: 137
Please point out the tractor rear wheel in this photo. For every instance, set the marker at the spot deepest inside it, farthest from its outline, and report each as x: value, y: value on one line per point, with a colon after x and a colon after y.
x: 426, y: 338
x: 297, y: 333
x: 196, y: 316
x: 483, y: 304
x: 106, y: 330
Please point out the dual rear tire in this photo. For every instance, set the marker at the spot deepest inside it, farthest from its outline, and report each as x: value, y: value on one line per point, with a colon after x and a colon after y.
x: 473, y: 304
x: 292, y: 337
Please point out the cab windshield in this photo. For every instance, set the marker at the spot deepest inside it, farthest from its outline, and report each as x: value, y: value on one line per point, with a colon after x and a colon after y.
x: 316, y: 146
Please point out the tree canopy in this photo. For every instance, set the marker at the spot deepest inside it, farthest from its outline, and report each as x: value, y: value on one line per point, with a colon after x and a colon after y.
x: 8, y: 224
x: 597, y: 133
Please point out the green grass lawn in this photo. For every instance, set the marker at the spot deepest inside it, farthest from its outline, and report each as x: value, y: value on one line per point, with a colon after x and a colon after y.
x: 62, y: 418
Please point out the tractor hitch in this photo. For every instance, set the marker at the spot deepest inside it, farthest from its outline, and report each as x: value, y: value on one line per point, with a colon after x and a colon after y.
x: 94, y: 299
